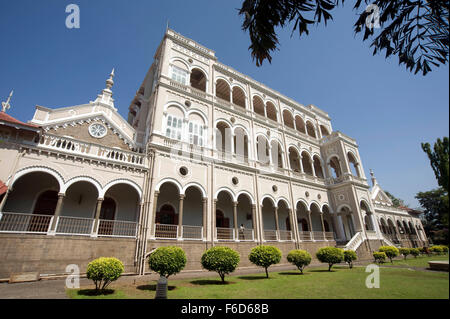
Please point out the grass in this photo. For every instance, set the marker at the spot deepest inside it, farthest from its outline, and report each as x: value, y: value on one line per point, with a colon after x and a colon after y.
x: 420, y: 261
x: 316, y: 283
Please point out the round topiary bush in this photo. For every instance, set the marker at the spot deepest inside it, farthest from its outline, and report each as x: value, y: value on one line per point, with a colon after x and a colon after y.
x: 330, y: 255
x: 414, y: 252
x: 349, y: 257
x: 404, y: 251
x: 379, y: 256
x: 265, y: 256
x: 299, y: 258
x: 222, y: 260
x: 167, y: 261
x: 103, y: 271
x: 390, y: 251
x: 437, y: 250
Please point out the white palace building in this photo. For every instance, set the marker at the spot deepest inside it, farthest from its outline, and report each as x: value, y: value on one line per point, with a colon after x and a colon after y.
x: 208, y: 156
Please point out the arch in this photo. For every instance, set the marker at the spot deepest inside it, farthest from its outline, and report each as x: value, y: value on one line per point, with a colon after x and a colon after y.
x: 327, y: 207
x: 122, y: 181
x: 84, y: 179
x: 283, y: 199
x: 317, y: 162
x: 311, y: 129
x: 294, y: 159
x: 199, y: 113
x: 324, y: 131
x: 169, y: 180
x: 258, y: 105
x: 262, y: 149
x: 198, y: 78
x: 175, y: 104
x: 223, y: 89
x: 303, y: 203
x: 355, y: 165
x: 196, y: 185
x: 316, y: 204
x: 335, y: 166
x: 300, y: 124
x: 276, y: 153
x: 307, y: 163
x: 270, y: 197
x: 243, y: 192
x: 346, y: 206
x: 227, y: 190
x: 364, y: 203
x: 39, y: 169
x: 288, y: 118
x: 181, y: 60
x: 239, y: 96
x: 271, y: 111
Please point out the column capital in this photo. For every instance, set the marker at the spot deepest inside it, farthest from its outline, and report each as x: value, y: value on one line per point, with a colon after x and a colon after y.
x: 182, y: 197
x: 235, y: 204
x: 61, y: 194
x: 156, y: 193
x: 204, y: 199
x: 100, y: 199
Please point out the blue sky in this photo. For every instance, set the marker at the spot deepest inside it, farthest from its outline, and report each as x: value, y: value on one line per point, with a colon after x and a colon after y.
x: 388, y: 110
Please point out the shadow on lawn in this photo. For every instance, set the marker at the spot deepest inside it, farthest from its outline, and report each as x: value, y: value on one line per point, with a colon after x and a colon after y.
x: 93, y: 292
x: 153, y: 287
x: 210, y: 282
x: 321, y: 270
x: 293, y: 273
x: 253, y: 277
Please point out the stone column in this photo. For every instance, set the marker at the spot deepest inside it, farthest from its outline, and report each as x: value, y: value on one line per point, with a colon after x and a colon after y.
x: 323, y: 226
x: 2, y: 204
x: 205, y: 212
x: 236, y: 228
x: 300, y: 163
x: 308, y: 212
x: 277, y: 226
x: 214, y: 218
x: 180, y: 217
x: 97, y: 217
x: 254, y: 226
x: 262, y: 223
x: 313, y: 168
x: 291, y: 221
x: 153, y: 220
x: 58, y: 209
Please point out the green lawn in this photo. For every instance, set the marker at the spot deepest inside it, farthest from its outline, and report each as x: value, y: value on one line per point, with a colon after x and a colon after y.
x: 342, y: 283
x: 419, y: 261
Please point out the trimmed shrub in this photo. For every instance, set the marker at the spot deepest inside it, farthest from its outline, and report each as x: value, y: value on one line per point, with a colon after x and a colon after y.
x: 222, y: 260
x: 437, y: 250
x: 444, y: 249
x: 349, y: 257
x: 379, y: 257
x: 299, y: 258
x: 330, y: 255
x: 415, y: 252
x: 167, y: 261
x: 265, y: 256
x: 425, y: 250
x: 103, y: 271
x: 390, y: 251
x: 404, y: 251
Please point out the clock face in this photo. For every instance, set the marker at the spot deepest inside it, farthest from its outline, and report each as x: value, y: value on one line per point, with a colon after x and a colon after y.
x: 97, y: 130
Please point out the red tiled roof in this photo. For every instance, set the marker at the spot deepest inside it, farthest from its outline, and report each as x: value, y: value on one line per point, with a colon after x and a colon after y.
x: 3, y: 188
x: 8, y: 118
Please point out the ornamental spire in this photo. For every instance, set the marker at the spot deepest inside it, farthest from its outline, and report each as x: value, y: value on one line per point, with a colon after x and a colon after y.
x: 106, y: 96
x: 374, y: 180
x: 6, y: 105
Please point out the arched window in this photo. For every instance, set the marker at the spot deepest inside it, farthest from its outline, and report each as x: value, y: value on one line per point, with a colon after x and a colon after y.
x: 288, y: 119
x: 324, y: 130
x: 241, y: 144
x: 354, y: 165
x: 294, y: 161
x: 318, y: 166
x: 307, y: 164
x: 198, y: 80
x: 271, y: 111
x: 263, y: 150
x: 178, y: 74
x: 335, y: 167
x: 174, y: 127
x: 300, y: 124
x: 223, y: 90
x: 277, y: 157
x: 238, y: 97
x: 258, y: 105
x: 310, y: 129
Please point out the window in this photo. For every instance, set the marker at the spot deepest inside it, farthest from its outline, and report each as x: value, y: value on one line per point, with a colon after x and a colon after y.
x: 195, y: 133
x: 174, y: 126
x: 179, y: 75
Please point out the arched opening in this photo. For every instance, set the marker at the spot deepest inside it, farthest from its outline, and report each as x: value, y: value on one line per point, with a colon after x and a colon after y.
x: 318, y: 166
x: 284, y: 221
x: 354, y: 165
x: 269, y: 222
x: 245, y: 218
x: 277, y: 154
x: 328, y: 223
x: 401, y: 230
x: 46, y: 203
x: 241, y: 144
x: 167, y: 211
x: 288, y: 119
x: 107, y: 214
x: 223, y: 138
x: 300, y: 124
x: 223, y: 90
x: 335, y: 166
x: 193, y: 213
x: 271, y: 111
x: 316, y: 221
x: 224, y: 216
x: 263, y: 149
x: 383, y: 226
x: 368, y: 224
x: 238, y: 97
x: 310, y: 129
x: 405, y: 226
x: 304, y: 227
x: 324, y: 131
x: 81, y: 200
x: 411, y: 228
x: 258, y: 105
x: 167, y: 215
x: 294, y: 160
x: 307, y: 164
x: 198, y: 80
x: 347, y: 222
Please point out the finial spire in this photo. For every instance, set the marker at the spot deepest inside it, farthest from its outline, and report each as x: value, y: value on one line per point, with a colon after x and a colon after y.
x: 6, y: 105
x: 106, y: 96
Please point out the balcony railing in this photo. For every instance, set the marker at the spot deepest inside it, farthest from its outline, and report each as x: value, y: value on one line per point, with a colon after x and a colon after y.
x: 318, y: 235
x: 116, y: 228
x: 285, y: 235
x: 304, y: 235
x: 193, y: 232
x: 25, y: 223
x: 74, y: 226
x: 225, y: 233
x: 270, y: 235
x: 163, y: 231
x: 246, y: 234
x: 329, y: 235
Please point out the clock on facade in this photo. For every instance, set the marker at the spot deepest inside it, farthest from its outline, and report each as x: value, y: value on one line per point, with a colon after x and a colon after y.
x: 97, y: 130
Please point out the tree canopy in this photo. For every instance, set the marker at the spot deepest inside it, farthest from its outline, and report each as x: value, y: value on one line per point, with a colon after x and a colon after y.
x: 417, y: 32
x: 439, y: 160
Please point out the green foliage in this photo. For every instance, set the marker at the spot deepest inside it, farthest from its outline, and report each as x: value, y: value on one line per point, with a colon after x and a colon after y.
x: 425, y: 250
x: 438, y: 250
x: 395, y: 201
x: 414, y: 252
x: 415, y: 31
x: 379, y: 256
x: 439, y: 160
x: 222, y: 260
x: 103, y: 271
x: 349, y: 257
x: 435, y: 206
x: 405, y: 251
x: 299, y: 258
x: 167, y: 261
x: 330, y: 255
x: 265, y: 256
x: 444, y: 249
x: 390, y: 251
